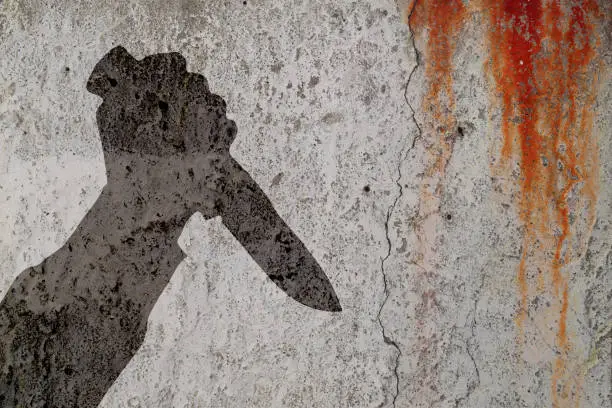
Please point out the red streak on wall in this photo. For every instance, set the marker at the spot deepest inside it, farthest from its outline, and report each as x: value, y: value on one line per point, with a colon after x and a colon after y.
x: 438, y: 24
x: 542, y: 60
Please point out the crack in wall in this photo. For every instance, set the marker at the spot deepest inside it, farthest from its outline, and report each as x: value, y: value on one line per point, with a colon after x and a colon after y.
x: 387, y: 339
x: 417, y: 56
x: 472, y: 386
x: 403, y: 156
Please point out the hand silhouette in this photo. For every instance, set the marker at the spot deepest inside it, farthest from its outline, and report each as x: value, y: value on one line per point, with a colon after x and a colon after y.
x: 69, y: 325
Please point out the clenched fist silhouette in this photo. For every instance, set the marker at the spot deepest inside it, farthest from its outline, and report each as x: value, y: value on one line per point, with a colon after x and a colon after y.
x: 69, y: 325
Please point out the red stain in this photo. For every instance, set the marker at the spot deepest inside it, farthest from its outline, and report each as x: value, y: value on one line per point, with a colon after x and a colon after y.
x: 542, y: 56
x: 516, y: 30
x: 442, y: 20
x: 438, y: 24
x: 437, y: 27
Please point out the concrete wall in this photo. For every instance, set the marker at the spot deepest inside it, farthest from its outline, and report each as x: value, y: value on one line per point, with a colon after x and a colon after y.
x: 413, y: 160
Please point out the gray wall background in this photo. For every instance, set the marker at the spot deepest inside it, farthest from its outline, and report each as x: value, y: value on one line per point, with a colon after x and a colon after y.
x: 317, y: 90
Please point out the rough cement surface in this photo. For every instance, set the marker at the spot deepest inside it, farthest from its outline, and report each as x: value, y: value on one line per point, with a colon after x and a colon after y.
x: 317, y: 91
x: 456, y: 236
x: 314, y: 92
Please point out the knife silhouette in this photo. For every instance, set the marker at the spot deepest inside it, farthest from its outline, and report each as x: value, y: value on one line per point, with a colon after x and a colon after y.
x: 69, y: 325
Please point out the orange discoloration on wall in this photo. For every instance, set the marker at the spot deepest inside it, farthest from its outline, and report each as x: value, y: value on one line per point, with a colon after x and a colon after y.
x: 438, y: 24
x: 516, y: 31
x: 543, y: 60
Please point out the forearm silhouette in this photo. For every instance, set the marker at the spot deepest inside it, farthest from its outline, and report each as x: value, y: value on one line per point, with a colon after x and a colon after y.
x: 69, y: 325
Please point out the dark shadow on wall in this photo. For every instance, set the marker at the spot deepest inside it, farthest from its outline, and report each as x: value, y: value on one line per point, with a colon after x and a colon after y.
x: 69, y: 325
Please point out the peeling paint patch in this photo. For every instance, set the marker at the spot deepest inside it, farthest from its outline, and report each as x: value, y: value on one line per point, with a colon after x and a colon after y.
x: 543, y: 55
x: 439, y: 25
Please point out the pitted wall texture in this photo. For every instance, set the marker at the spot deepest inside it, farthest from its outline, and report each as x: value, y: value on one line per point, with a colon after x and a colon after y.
x: 446, y: 163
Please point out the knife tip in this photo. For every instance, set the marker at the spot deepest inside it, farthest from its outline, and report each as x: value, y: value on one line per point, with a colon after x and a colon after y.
x: 331, y: 308
x: 328, y: 304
